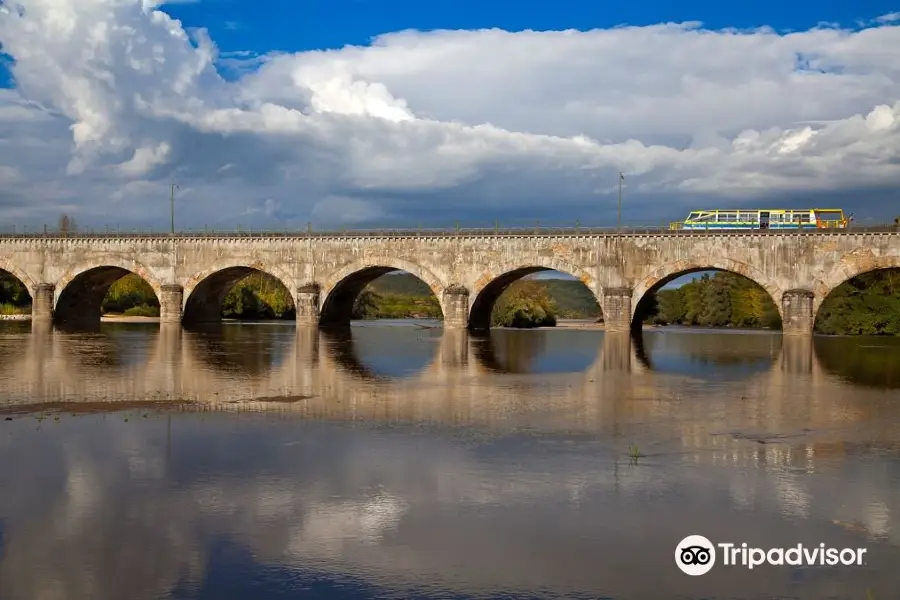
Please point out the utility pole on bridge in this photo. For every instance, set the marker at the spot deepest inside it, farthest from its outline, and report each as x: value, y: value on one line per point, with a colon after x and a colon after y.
x: 172, y: 208
x: 619, y: 221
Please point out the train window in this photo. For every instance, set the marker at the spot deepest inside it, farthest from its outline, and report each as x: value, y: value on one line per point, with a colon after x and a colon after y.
x: 694, y: 215
x: 747, y: 216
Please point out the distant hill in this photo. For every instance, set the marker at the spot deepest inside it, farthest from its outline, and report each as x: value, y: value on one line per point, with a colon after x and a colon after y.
x: 572, y: 298
x: 400, y: 284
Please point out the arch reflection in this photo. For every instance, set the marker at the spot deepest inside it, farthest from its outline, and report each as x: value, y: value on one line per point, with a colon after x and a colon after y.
x: 708, y: 354
x: 114, y: 346
x: 538, y: 351
x: 868, y: 361
x: 244, y: 349
x: 14, y: 327
x: 382, y: 352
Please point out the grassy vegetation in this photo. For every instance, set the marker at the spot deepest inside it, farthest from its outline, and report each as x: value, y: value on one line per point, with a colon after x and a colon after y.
x: 11, y: 309
x: 400, y: 296
x: 14, y: 298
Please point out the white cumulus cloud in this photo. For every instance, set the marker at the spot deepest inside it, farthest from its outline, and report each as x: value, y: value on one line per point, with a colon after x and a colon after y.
x: 114, y: 100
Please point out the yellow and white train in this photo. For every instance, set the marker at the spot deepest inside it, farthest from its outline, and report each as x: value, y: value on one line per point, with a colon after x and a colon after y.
x: 749, y: 219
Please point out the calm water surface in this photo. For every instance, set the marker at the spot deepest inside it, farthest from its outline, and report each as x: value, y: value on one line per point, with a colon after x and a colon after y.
x: 262, y: 461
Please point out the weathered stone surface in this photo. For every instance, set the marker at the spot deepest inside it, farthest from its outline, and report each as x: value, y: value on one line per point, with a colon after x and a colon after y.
x: 81, y: 269
x: 617, y: 308
x: 42, y: 302
x: 307, y: 304
x: 797, y: 312
x: 171, y: 300
x: 455, y: 303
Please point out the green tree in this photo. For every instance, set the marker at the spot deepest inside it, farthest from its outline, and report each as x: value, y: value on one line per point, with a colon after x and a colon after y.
x: 671, y: 307
x: 723, y: 300
x: 716, y: 298
x: 693, y: 300
x: 524, y: 304
x: 366, y: 305
x: 866, y: 305
x: 129, y: 293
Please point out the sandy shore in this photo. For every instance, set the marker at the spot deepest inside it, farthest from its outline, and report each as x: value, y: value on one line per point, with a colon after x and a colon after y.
x: 584, y: 324
x: 576, y: 324
x: 124, y: 319
x: 15, y: 317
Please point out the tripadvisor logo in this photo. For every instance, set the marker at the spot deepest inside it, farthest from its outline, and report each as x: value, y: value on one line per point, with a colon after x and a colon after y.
x: 696, y: 555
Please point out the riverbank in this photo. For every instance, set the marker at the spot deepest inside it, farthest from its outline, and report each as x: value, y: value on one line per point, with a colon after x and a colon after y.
x: 128, y: 319
x: 24, y: 317
x: 585, y: 324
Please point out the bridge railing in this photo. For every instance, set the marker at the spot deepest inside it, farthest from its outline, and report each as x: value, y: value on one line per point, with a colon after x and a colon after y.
x: 575, y: 229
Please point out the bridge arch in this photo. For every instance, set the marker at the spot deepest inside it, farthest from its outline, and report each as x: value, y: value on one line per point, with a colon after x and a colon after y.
x: 205, y: 291
x: 342, y: 287
x: 79, y: 293
x: 668, y: 272
x: 851, y: 266
x: 10, y: 267
x: 7, y: 267
x: 495, y: 280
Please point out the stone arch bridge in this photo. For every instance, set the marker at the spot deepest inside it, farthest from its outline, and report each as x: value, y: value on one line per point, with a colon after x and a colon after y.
x: 191, y: 274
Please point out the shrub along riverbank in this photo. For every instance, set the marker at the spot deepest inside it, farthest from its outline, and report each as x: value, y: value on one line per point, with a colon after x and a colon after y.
x: 866, y: 305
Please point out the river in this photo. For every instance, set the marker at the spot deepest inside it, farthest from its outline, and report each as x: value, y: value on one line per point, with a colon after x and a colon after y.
x: 395, y: 460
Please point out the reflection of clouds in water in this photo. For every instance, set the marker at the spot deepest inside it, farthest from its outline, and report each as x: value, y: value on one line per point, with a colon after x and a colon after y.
x: 877, y: 519
x: 409, y: 354
x: 83, y: 494
x: 326, y: 528
x: 409, y: 506
x: 793, y: 499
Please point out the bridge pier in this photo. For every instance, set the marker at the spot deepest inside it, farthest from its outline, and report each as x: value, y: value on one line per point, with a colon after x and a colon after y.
x: 617, y: 309
x: 456, y: 307
x: 797, y: 310
x: 307, y: 304
x: 42, y: 302
x: 171, y: 300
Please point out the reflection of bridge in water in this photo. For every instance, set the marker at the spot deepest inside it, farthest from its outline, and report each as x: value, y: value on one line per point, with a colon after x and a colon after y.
x: 320, y: 365
x: 459, y: 385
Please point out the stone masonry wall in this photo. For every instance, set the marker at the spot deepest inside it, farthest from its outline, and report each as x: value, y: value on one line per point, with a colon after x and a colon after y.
x: 619, y: 270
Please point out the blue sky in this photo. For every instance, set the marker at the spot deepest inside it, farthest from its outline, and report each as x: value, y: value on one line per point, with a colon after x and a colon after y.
x: 447, y: 122
x: 290, y: 26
